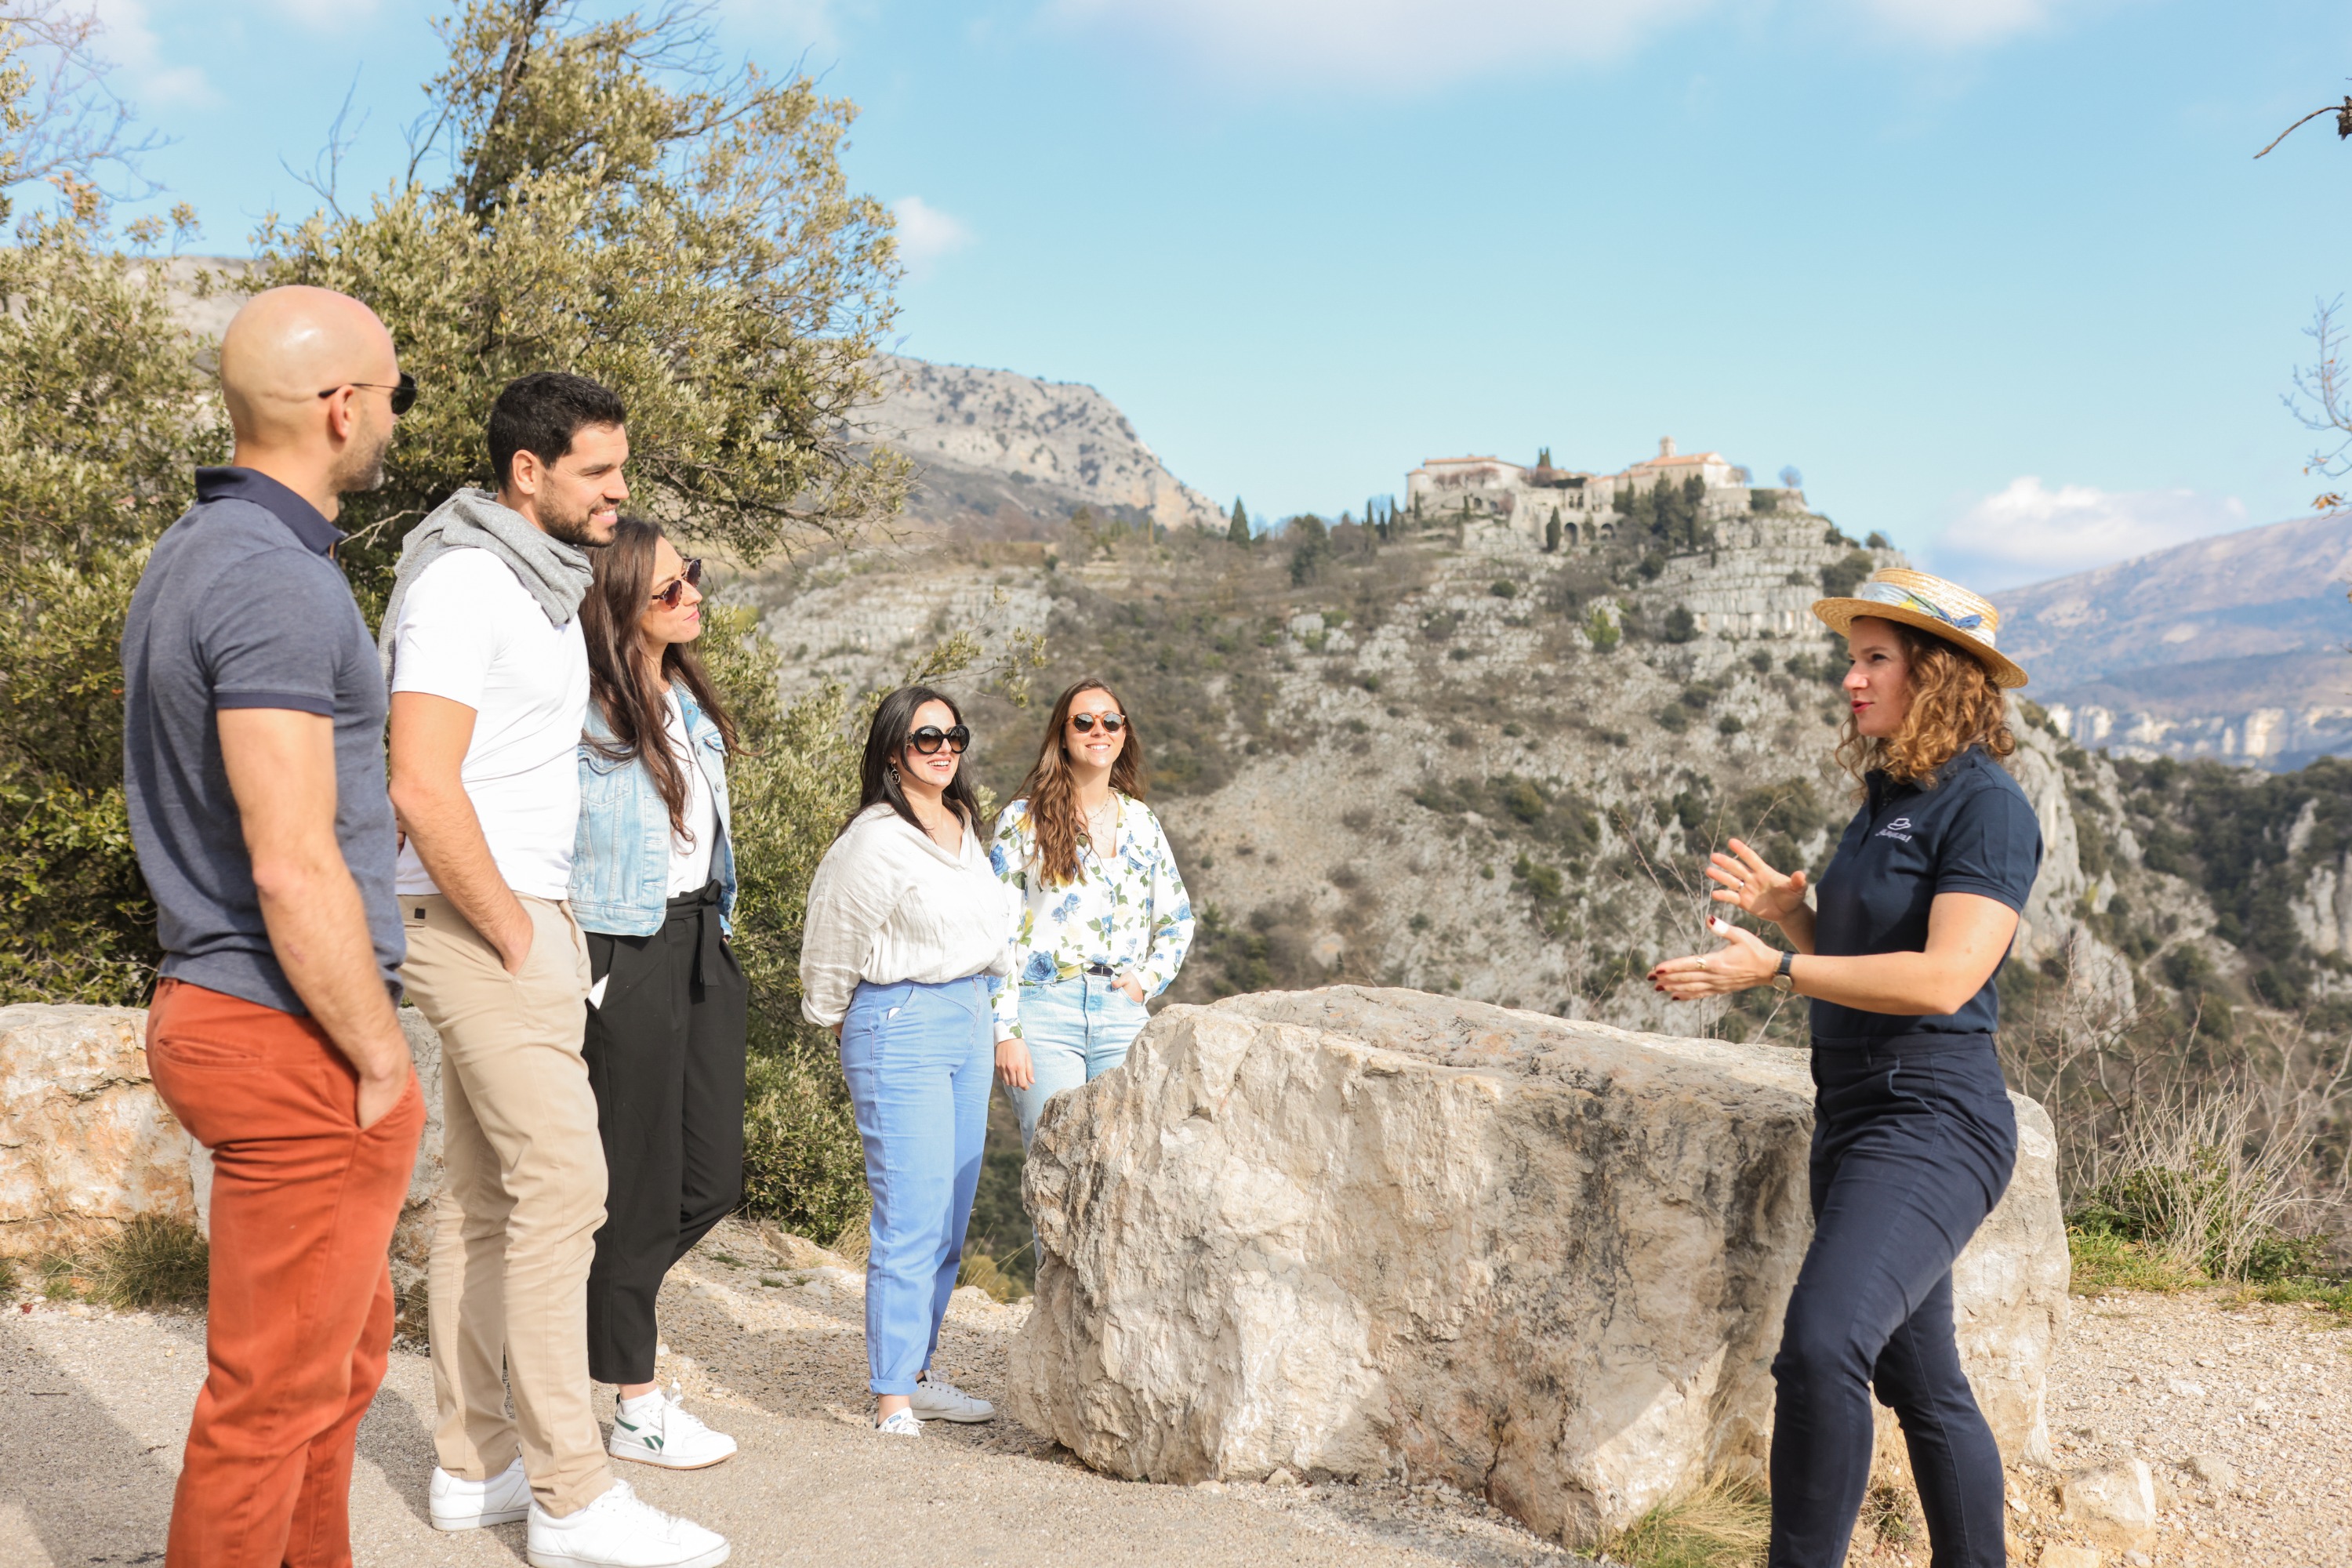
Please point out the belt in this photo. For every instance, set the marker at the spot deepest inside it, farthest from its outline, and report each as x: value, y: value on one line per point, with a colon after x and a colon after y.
x: 1105, y: 970
x: 702, y: 906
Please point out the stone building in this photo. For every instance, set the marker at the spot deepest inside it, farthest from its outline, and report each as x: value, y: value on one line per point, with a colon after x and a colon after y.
x: 1527, y: 499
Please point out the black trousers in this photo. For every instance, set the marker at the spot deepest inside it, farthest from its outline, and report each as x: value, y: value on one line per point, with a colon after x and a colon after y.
x: 1914, y: 1140
x: 664, y: 1052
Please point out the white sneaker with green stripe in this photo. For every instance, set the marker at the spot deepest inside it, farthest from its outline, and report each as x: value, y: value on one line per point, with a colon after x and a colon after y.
x: 657, y: 1428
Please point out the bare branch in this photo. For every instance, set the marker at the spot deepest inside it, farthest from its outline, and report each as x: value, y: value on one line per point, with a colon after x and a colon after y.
x: 326, y: 169
x: 71, y: 121
x: 2343, y: 112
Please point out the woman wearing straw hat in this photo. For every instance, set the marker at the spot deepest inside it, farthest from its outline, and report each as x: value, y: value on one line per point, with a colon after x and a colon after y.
x: 1913, y: 1133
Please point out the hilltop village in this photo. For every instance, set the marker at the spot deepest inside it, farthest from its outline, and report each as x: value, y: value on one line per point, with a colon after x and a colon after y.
x: 1549, y: 504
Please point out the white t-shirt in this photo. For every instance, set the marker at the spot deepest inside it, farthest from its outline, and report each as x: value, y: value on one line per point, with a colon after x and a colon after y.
x: 470, y: 631
x: 689, y: 860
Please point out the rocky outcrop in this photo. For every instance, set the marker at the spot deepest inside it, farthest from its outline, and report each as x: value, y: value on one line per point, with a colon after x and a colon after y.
x: 1357, y: 1231
x: 85, y: 1142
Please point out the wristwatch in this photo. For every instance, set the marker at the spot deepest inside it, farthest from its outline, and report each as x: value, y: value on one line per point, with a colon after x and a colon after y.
x: 1782, y: 980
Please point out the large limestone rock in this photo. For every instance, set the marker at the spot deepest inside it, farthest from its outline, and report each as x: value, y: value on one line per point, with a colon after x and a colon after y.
x: 1360, y: 1232
x: 85, y: 1142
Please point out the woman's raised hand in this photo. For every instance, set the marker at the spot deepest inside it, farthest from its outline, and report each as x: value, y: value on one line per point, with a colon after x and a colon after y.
x: 1753, y: 886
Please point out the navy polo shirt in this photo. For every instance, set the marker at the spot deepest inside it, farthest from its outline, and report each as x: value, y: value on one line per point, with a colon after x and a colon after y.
x: 1974, y: 832
x: 242, y: 605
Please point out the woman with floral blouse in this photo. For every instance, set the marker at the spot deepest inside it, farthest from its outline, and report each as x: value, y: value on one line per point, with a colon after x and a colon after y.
x: 1104, y: 922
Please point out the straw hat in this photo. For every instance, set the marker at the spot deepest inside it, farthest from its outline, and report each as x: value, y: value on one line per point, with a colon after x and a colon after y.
x: 1932, y: 604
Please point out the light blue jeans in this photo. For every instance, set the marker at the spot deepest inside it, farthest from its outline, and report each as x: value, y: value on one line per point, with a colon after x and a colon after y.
x: 1076, y: 1031
x: 918, y: 1059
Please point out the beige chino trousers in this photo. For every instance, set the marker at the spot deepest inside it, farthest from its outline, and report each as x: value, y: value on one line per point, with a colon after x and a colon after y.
x: 520, y: 1202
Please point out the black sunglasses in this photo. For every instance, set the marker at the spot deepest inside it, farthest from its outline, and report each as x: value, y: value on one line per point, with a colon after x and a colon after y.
x: 691, y: 577
x: 1084, y: 723
x: 930, y: 738
x: 403, y: 393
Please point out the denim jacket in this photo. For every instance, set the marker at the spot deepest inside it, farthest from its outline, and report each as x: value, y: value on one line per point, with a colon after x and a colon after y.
x: 620, y: 861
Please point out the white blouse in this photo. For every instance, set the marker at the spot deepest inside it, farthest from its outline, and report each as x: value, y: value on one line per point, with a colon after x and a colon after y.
x: 890, y: 903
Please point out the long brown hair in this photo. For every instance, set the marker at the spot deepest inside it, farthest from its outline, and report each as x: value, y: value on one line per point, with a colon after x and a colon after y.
x: 1954, y: 705
x: 1053, y: 792
x: 619, y: 682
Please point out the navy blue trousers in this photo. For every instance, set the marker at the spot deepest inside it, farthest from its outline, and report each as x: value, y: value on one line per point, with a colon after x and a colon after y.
x: 1914, y: 1140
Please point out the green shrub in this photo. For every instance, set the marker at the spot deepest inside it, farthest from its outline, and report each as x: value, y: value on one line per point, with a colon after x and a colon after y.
x: 1603, y: 632
x: 1842, y: 576
x: 803, y: 1165
x: 1679, y: 626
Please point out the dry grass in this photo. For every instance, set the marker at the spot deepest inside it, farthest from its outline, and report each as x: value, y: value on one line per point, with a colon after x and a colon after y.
x: 856, y: 1243
x: 1723, y: 1524
x: 152, y: 1263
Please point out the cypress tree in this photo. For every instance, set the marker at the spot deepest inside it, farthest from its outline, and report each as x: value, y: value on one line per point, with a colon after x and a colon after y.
x: 1238, y: 531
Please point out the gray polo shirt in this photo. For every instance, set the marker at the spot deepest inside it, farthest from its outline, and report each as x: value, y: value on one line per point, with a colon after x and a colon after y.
x: 242, y: 606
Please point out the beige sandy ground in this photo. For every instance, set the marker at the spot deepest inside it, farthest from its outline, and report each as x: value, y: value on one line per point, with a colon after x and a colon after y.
x: 93, y: 1408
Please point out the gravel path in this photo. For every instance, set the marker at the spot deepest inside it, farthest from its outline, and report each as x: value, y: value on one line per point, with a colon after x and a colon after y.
x: 2197, y: 1386
x: 94, y: 1407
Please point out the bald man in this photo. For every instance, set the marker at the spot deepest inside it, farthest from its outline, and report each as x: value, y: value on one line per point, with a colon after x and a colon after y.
x: 253, y: 757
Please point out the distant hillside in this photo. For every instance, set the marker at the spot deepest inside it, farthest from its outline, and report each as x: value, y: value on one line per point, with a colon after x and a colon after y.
x: 1014, y: 455
x: 2231, y: 647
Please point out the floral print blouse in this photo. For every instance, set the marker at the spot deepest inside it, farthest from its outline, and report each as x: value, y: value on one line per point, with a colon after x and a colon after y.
x: 1131, y: 915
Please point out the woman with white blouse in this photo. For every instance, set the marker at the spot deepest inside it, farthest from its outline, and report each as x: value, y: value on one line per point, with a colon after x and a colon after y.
x: 906, y: 931
x: 1104, y: 921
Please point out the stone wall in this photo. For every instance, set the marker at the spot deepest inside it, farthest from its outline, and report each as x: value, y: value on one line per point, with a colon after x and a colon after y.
x: 86, y: 1143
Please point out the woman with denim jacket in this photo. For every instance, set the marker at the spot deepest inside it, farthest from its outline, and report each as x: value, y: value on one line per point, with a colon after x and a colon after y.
x: 1104, y: 919
x: 653, y: 886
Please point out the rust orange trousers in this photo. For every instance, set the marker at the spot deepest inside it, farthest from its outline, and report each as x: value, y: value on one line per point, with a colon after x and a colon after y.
x: 303, y: 1206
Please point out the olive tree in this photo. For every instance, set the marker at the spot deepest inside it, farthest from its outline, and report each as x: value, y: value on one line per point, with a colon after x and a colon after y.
x: 611, y: 201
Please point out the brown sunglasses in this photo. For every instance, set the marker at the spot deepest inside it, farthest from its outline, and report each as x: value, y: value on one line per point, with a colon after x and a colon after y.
x: 691, y: 577
x: 1084, y: 723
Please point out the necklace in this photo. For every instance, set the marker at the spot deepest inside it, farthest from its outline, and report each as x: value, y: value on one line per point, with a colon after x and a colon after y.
x: 1102, y: 827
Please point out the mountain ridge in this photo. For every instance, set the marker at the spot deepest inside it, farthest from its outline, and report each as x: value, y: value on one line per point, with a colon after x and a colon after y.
x: 2230, y: 648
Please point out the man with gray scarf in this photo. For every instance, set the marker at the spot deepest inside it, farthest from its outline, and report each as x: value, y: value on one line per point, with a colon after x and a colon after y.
x: 488, y: 673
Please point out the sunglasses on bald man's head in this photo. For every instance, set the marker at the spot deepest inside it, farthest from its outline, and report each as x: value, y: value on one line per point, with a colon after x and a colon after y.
x: 930, y: 738
x: 403, y: 392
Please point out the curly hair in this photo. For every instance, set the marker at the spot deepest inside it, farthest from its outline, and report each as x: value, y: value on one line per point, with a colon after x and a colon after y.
x: 1954, y: 705
x: 1053, y: 793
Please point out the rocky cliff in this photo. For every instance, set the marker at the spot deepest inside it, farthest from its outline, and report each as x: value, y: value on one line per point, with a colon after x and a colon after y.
x: 1011, y: 454
x: 1450, y: 760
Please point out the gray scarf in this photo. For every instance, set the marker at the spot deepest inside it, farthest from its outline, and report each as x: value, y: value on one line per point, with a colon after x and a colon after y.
x: 556, y: 574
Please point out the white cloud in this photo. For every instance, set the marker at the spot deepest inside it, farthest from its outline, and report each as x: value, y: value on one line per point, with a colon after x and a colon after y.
x: 925, y: 233
x: 130, y: 41
x: 1388, y: 41
x: 1960, y: 23
x: 326, y: 13
x: 2029, y: 531
x: 1435, y: 42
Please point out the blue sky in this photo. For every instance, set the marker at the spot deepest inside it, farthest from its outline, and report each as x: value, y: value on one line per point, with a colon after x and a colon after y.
x: 2000, y: 277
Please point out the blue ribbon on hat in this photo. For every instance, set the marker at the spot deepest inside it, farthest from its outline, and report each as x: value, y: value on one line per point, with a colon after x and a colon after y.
x: 1888, y: 594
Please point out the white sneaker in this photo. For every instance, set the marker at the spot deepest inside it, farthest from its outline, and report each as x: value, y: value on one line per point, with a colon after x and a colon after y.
x: 616, y: 1531
x: 936, y: 1400
x: 899, y: 1424
x: 470, y: 1505
x: 658, y: 1429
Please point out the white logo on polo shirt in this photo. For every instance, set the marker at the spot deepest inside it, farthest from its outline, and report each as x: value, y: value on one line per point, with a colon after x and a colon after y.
x: 1895, y: 829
